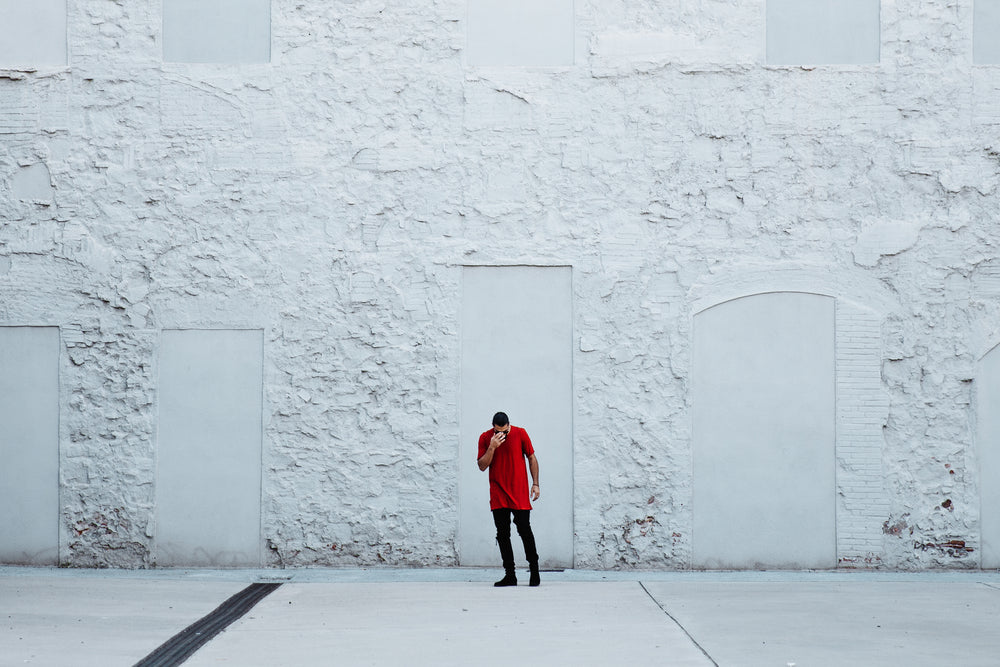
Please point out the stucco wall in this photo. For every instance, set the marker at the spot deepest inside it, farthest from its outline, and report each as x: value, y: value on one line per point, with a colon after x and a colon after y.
x: 331, y: 197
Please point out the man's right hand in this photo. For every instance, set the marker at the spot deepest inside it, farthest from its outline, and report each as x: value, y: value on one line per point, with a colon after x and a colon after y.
x: 498, y: 439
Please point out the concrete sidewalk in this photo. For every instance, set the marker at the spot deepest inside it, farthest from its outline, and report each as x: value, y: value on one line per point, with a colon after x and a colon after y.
x: 455, y: 617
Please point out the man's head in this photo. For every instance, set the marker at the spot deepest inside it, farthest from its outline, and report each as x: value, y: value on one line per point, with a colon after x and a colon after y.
x: 501, y: 423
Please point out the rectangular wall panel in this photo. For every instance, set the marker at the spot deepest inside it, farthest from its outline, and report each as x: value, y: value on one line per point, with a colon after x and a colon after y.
x: 764, y: 433
x: 521, y: 32
x: 217, y: 31
x: 985, y: 32
x: 32, y: 33
x: 823, y: 32
x: 988, y: 447
x: 208, y: 479
x: 517, y: 357
x: 29, y: 445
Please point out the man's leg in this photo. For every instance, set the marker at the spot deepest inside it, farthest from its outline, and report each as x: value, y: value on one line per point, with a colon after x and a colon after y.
x: 501, y: 518
x: 522, y: 519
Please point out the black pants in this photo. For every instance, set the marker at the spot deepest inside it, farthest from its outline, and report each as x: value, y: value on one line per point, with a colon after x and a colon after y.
x: 522, y: 519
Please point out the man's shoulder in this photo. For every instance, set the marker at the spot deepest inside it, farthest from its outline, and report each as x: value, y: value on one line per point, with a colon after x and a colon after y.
x: 519, y: 431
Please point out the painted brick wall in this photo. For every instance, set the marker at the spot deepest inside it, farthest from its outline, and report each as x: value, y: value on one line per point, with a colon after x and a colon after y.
x: 330, y: 197
x: 862, y: 408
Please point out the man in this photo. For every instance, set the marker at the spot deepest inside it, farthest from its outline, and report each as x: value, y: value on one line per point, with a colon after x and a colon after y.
x: 503, y: 449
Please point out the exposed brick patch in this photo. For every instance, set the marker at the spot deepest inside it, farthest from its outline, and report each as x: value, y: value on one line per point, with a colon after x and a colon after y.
x: 862, y: 407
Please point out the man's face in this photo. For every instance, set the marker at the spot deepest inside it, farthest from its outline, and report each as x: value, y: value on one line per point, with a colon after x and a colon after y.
x: 501, y: 429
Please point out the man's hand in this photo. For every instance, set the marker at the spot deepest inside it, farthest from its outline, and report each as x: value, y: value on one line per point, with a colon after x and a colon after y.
x: 499, y: 437
x: 535, y: 492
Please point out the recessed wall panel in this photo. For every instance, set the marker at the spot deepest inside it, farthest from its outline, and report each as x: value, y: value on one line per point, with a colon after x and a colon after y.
x: 764, y: 490
x: 217, y: 31
x: 29, y: 445
x: 517, y: 331
x: 988, y: 445
x: 208, y: 480
x: 986, y: 32
x: 520, y: 32
x: 823, y: 32
x: 32, y: 33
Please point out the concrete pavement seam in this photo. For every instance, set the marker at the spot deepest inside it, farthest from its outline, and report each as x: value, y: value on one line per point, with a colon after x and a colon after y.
x: 186, y: 643
x: 678, y: 624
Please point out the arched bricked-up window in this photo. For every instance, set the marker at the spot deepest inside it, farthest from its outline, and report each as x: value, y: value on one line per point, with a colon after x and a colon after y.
x: 861, y: 306
x: 32, y: 33
x: 822, y: 32
x: 764, y: 433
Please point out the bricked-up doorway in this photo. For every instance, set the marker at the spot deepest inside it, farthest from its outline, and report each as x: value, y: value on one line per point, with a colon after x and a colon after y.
x: 208, y: 474
x: 988, y: 446
x: 517, y: 356
x: 29, y: 445
x: 764, y: 433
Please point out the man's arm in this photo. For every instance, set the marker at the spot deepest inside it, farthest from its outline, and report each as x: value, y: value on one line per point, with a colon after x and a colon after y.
x: 533, y: 468
x: 486, y: 459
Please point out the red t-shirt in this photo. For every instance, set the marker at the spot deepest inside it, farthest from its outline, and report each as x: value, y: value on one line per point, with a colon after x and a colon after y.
x: 508, y: 473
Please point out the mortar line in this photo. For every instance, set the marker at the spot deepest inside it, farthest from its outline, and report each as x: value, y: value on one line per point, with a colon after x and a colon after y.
x: 678, y: 624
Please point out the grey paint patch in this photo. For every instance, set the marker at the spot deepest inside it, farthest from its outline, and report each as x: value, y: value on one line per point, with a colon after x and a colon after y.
x: 988, y: 398
x: 517, y: 331
x: 32, y: 33
x: 986, y: 28
x: 823, y: 32
x: 217, y: 31
x: 520, y: 32
x: 29, y: 445
x: 764, y: 434
x: 209, y: 448
x: 32, y: 183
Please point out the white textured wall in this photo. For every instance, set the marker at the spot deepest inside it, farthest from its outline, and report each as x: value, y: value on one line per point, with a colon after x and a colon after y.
x: 331, y: 196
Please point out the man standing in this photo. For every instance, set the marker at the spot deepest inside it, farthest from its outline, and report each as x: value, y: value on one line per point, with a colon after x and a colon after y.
x: 503, y: 449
